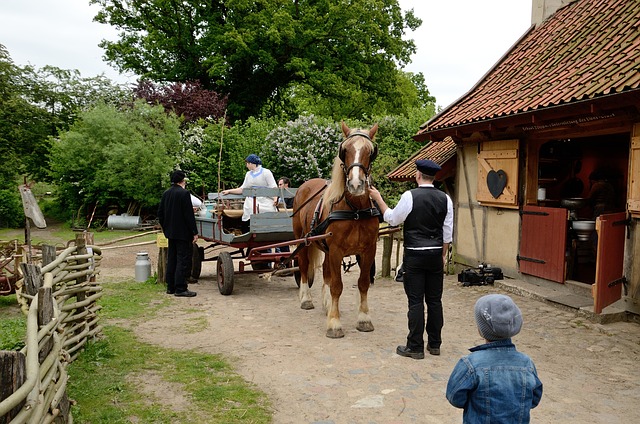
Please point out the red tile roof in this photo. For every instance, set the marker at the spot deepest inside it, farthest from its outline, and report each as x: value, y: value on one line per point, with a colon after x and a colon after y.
x: 440, y: 153
x: 587, y: 49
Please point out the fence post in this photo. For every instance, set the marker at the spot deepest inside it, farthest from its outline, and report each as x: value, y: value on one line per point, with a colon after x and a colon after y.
x: 48, y: 254
x: 387, y: 247
x: 13, y: 366
x: 32, y: 278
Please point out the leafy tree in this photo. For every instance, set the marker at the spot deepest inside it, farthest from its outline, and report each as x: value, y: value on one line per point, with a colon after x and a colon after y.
x: 24, y: 126
x: 36, y: 104
x: 187, y: 100
x: 112, y: 156
x: 255, y: 51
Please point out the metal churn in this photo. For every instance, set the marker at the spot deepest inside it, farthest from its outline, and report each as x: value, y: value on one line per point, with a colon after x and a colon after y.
x: 143, y: 266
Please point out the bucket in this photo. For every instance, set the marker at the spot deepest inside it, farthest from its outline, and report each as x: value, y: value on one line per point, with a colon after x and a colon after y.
x: 143, y: 266
x: 123, y: 222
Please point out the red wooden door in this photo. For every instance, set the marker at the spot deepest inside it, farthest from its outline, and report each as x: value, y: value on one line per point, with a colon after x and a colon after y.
x: 543, y: 242
x: 607, y: 289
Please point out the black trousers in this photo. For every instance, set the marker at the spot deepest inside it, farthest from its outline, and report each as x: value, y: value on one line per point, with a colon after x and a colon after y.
x: 423, y: 283
x: 178, y: 264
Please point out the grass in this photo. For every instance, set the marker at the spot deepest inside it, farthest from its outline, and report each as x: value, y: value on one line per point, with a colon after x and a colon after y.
x: 13, y: 324
x: 103, y: 378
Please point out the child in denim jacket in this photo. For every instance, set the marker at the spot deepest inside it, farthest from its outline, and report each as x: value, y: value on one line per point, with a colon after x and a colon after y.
x: 495, y: 383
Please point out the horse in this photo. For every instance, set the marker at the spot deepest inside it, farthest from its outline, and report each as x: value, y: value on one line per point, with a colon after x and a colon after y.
x: 343, y: 208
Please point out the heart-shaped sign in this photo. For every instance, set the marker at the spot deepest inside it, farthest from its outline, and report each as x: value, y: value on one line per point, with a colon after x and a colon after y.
x: 496, y: 182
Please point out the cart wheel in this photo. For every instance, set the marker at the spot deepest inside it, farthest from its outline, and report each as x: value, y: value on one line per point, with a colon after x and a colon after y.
x: 196, y: 261
x: 225, y: 273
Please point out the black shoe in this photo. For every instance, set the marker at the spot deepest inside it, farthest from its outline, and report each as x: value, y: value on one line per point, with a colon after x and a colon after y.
x: 405, y: 351
x: 185, y: 293
x: 433, y: 350
x: 170, y: 292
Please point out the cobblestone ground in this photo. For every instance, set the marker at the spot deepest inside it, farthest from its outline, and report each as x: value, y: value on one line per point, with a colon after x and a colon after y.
x: 590, y: 372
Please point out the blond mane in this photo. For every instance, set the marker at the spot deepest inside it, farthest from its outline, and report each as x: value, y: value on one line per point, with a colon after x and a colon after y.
x: 336, y: 187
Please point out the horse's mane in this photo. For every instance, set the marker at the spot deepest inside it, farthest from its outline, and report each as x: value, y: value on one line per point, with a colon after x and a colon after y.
x: 336, y: 187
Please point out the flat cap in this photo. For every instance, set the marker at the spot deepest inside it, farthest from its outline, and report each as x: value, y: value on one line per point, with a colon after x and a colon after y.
x: 178, y: 176
x: 427, y: 167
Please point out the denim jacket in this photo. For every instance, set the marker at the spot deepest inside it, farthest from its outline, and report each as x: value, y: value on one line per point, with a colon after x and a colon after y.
x: 495, y: 384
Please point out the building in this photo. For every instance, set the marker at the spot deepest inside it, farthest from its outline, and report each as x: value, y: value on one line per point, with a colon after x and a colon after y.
x: 558, y: 115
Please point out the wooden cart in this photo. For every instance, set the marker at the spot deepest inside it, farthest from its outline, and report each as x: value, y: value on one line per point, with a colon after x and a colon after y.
x: 256, y: 249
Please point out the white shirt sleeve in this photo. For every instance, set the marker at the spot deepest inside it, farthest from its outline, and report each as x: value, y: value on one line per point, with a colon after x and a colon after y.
x: 397, y: 215
x: 447, y: 227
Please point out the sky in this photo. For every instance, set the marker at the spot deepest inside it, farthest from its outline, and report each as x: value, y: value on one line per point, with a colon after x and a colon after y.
x: 458, y: 42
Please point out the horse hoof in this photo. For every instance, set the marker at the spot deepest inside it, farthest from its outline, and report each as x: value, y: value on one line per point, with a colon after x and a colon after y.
x: 365, y: 327
x: 307, y: 304
x: 335, y: 333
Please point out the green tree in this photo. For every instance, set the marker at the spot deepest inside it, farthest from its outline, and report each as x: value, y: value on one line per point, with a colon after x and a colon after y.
x: 24, y: 127
x: 256, y: 51
x: 112, y: 156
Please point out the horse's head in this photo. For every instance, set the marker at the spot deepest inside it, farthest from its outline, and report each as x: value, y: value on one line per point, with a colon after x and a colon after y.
x: 357, y: 152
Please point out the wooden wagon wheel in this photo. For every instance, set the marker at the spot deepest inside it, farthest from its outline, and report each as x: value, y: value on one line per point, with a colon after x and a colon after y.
x: 225, y: 273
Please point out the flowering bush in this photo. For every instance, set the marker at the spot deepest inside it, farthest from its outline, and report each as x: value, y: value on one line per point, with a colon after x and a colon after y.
x: 302, y: 149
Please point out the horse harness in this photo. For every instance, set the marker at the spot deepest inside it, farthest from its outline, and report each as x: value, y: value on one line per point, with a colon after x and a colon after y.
x: 338, y: 215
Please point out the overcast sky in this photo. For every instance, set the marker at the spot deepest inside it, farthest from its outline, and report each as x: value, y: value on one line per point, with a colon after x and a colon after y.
x: 458, y: 42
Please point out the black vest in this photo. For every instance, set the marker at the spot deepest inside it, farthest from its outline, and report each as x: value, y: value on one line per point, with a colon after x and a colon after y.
x: 423, y: 226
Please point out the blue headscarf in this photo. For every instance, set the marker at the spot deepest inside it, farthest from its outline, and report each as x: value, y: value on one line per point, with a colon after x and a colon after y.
x: 253, y: 158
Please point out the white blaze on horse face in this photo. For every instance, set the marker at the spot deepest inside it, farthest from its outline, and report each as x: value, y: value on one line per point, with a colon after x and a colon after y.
x: 356, y: 178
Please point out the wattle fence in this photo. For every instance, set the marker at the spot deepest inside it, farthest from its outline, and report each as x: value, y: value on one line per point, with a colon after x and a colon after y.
x: 59, y: 299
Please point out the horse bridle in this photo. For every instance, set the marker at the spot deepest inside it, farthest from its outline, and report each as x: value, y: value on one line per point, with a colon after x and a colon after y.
x: 372, y: 156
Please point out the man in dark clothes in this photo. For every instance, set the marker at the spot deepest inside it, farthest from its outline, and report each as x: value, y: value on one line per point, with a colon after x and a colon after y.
x: 427, y: 214
x: 179, y: 227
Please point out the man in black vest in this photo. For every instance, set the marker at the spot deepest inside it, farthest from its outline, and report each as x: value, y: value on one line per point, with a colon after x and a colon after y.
x: 427, y: 214
x: 179, y: 226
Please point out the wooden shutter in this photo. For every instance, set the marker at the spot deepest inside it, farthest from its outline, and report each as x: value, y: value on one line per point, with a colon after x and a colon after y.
x: 633, y: 202
x: 500, y: 157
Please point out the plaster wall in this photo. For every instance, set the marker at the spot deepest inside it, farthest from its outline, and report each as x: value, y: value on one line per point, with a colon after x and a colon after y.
x: 502, y: 237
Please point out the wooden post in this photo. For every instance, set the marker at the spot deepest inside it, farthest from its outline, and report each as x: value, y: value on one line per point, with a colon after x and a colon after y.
x: 387, y: 247
x: 163, y: 252
x: 32, y: 278
x: 48, y: 254
x: 162, y: 265
x: 13, y: 365
x: 45, y: 315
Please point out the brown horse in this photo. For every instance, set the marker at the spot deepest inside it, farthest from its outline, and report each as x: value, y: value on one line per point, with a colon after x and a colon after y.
x: 343, y: 208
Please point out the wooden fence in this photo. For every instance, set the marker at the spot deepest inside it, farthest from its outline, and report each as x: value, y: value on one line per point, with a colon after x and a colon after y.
x: 59, y: 299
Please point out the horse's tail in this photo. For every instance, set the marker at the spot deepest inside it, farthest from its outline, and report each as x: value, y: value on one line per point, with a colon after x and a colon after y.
x: 315, y: 261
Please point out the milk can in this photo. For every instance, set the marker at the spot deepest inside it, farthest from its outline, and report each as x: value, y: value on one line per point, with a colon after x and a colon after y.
x: 143, y: 266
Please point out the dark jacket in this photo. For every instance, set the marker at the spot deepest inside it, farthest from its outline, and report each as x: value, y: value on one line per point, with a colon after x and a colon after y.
x: 176, y: 214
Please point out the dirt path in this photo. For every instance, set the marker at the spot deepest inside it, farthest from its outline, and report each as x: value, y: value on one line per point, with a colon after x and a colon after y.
x: 590, y: 372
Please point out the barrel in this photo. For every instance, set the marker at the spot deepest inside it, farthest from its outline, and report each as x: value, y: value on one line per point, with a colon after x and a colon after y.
x: 123, y: 222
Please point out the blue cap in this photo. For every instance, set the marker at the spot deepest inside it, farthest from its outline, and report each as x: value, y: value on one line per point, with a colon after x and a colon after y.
x: 253, y: 158
x: 427, y: 167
